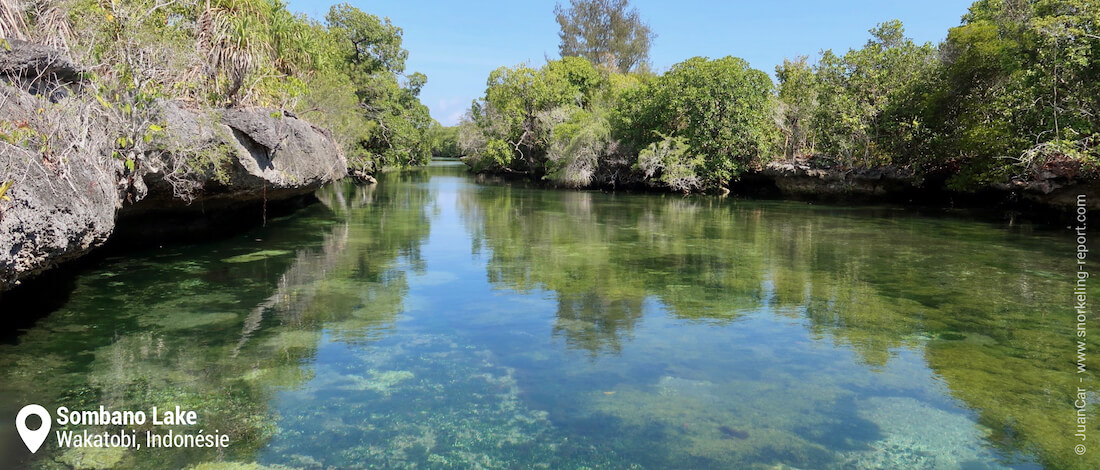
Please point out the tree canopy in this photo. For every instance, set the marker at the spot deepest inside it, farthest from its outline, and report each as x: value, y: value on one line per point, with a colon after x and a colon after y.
x: 1011, y: 97
x: 608, y: 33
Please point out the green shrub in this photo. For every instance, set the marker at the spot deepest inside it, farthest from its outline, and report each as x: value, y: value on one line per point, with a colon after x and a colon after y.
x: 722, y: 109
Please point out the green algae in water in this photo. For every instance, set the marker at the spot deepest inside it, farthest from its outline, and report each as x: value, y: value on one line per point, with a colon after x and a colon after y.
x: 89, y: 458
x: 431, y: 322
x: 236, y: 466
x: 462, y: 410
x: 255, y: 256
x: 188, y: 320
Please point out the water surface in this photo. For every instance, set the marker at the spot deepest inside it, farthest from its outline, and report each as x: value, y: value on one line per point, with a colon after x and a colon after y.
x: 435, y: 321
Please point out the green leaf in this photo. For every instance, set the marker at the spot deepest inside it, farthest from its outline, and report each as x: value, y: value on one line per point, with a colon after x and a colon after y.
x: 103, y: 101
x: 4, y: 190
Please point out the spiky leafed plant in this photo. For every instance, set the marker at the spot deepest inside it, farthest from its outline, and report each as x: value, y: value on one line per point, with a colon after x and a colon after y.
x: 225, y: 37
x: 51, y: 23
x: 13, y: 21
x: 292, y: 43
x: 42, y: 21
x: 243, y: 38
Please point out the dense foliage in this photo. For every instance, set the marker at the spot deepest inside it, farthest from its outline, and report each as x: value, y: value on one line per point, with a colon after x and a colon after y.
x: 579, y: 125
x: 1018, y: 90
x: 1013, y: 93
x: 444, y: 141
x: 346, y: 73
x: 717, y: 111
x: 540, y: 121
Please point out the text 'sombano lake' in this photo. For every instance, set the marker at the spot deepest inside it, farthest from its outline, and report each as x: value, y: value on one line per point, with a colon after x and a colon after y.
x: 434, y: 321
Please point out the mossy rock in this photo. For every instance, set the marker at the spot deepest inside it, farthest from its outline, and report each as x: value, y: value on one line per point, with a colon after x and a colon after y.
x: 256, y: 256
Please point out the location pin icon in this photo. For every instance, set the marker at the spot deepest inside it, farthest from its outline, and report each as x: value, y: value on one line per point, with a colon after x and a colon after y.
x: 33, y: 439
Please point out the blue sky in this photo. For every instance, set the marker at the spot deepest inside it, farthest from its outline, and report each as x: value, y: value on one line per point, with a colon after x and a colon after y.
x: 457, y: 43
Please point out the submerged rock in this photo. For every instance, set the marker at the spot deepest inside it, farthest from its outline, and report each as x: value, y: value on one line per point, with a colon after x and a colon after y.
x: 93, y: 458
x: 732, y: 433
x: 915, y: 434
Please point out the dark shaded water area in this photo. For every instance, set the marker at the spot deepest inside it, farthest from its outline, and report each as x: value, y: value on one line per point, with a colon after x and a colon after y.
x: 432, y: 321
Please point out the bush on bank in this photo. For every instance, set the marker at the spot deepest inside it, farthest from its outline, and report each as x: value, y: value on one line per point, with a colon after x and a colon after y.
x: 1013, y: 93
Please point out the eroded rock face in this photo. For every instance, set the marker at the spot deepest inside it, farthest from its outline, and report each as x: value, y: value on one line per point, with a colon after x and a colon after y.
x: 38, y: 69
x: 260, y: 154
x: 284, y: 152
x: 53, y: 216
x: 63, y: 195
x: 1045, y: 192
x: 1055, y: 191
x: 67, y: 191
x: 797, y: 179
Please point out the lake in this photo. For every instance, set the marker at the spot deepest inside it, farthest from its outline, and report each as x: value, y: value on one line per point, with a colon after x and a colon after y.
x: 440, y: 320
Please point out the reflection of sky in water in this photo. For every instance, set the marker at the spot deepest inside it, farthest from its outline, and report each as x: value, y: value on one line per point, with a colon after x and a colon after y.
x: 440, y: 323
x: 477, y: 376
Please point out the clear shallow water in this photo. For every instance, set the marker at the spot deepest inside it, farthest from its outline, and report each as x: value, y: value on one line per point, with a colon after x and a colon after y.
x: 433, y: 321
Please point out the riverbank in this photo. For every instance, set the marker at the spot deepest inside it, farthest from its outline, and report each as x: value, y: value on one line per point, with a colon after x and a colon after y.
x: 431, y: 319
x: 1038, y: 197
x: 74, y: 174
x: 1051, y: 199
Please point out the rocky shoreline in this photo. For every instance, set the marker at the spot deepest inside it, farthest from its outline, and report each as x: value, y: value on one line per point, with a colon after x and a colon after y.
x: 1049, y: 192
x: 69, y: 190
x: 1049, y: 198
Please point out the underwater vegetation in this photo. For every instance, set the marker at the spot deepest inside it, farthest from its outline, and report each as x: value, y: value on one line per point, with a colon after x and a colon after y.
x: 730, y: 433
x: 433, y: 322
x: 216, y: 328
x: 454, y: 407
x: 975, y: 303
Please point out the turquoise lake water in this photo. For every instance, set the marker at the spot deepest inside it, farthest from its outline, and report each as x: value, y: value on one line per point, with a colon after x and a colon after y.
x: 439, y: 320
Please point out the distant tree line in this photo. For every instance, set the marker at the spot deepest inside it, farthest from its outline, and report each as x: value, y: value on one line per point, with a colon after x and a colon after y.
x: 1013, y: 92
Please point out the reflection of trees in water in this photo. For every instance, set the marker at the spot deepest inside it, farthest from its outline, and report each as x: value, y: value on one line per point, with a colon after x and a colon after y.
x: 166, y: 331
x: 976, y: 300
x: 604, y: 258
x: 298, y: 285
x: 594, y: 323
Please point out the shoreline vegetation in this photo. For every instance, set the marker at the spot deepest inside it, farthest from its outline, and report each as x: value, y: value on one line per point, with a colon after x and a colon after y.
x: 345, y: 73
x: 1008, y: 105
x: 175, y: 118
x: 134, y: 121
x: 181, y: 117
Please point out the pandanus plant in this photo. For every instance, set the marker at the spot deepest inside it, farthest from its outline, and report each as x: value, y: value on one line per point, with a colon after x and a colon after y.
x: 41, y: 21
x: 243, y: 41
x: 13, y: 24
